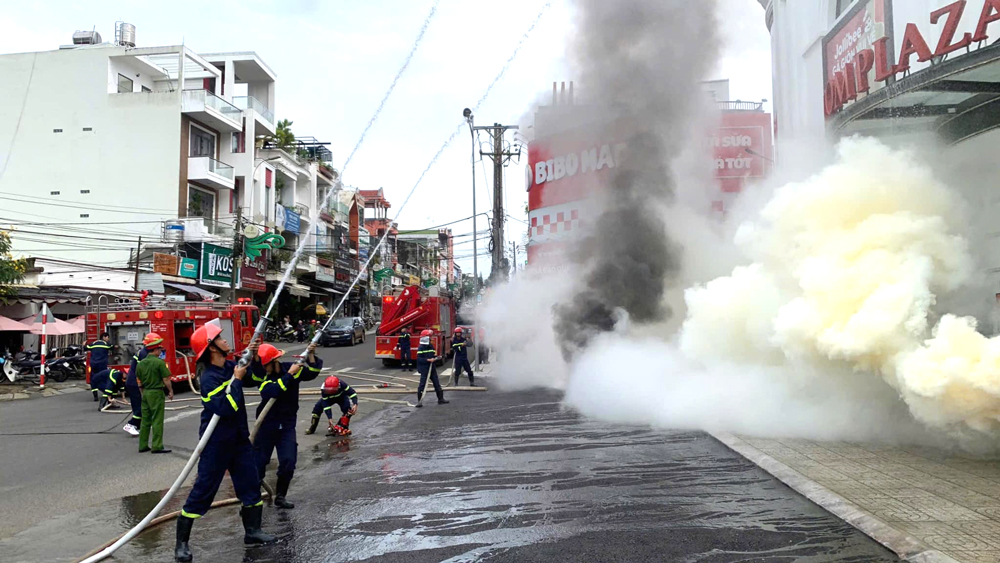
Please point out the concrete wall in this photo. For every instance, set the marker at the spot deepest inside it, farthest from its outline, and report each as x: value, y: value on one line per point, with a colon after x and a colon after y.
x: 124, y: 170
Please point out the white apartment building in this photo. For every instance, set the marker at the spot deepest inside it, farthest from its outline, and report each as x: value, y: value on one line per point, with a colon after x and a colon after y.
x: 101, y: 144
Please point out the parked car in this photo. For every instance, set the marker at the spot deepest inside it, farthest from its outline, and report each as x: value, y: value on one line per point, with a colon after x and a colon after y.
x: 345, y: 330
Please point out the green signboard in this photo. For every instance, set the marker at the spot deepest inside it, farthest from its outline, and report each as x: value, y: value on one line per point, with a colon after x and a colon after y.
x: 216, y: 265
x: 189, y: 268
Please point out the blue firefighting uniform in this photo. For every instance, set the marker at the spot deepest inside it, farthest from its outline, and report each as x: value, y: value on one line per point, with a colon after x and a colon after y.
x: 426, y: 353
x: 344, y: 397
x: 132, y: 388
x: 110, y: 382
x: 278, y: 428
x: 229, y: 447
x: 460, y: 347
x: 404, y: 349
x: 99, y: 351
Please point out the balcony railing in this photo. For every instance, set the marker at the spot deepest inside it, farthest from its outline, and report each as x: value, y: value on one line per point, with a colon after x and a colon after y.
x: 218, y: 104
x: 216, y: 167
x: 249, y: 102
x: 740, y: 106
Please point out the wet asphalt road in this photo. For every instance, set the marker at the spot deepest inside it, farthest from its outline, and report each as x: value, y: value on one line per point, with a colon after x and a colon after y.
x: 514, y: 477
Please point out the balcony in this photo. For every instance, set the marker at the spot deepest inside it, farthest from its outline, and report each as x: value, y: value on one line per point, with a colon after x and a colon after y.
x: 212, y: 110
x: 265, y: 116
x: 210, y: 172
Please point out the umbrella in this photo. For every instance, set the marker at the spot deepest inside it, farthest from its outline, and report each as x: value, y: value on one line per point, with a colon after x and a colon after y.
x: 55, y: 327
x: 79, y: 322
x: 9, y: 325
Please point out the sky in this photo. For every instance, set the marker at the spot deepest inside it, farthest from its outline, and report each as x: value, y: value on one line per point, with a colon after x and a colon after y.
x: 334, y: 60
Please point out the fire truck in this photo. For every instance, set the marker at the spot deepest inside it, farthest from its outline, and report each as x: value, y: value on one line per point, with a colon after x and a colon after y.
x: 417, y: 309
x: 128, y: 322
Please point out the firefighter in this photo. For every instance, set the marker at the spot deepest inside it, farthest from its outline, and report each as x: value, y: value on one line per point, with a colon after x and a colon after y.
x: 229, y: 447
x: 426, y: 357
x: 153, y: 376
x: 404, y: 349
x: 460, y: 346
x: 134, y: 393
x: 281, y: 382
x: 99, y: 351
x: 340, y: 393
x: 111, y: 382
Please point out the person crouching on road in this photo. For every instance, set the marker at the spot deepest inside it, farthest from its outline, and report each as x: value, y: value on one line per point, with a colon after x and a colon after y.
x: 426, y: 357
x: 111, y: 382
x: 404, y: 350
x: 335, y: 392
x: 153, y: 376
x: 277, y: 430
x: 229, y: 447
x: 134, y: 393
x: 460, y: 346
x: 99, y: 352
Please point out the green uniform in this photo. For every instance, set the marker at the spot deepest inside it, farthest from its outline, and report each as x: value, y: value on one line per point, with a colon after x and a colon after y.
x: 150, y: 372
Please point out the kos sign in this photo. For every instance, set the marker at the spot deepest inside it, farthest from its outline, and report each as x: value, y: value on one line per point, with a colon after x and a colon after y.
x: 860, y: 67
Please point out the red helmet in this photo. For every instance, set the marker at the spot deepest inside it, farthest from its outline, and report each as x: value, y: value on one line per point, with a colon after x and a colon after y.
x: 152, y: 339
x: 269, y: 353
x: 204, y: 336
x: 332, y: 383
x: 426, y: 332
x: 458, y: 331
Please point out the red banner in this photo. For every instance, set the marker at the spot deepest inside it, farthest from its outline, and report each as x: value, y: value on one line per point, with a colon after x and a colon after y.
x: 741, y: 148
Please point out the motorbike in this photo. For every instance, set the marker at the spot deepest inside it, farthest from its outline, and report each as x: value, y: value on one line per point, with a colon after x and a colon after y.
x: 17, y: 366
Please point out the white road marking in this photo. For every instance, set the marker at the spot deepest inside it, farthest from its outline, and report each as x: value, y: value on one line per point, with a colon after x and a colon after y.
x: 344, y: 370
x: 179, y: 416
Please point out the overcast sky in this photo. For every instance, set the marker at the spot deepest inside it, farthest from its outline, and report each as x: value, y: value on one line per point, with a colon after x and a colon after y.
x: 334, y: 60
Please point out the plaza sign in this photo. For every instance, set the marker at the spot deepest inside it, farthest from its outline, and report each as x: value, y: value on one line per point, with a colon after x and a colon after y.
x: 862, y: 68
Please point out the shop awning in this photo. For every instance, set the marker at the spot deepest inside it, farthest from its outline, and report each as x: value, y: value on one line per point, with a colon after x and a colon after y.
x: 27, y: 295
x: 298, y: 290
x: 956, y: 98
x: 194, y: 290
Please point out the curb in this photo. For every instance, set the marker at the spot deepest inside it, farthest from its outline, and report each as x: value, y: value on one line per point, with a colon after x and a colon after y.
x: 906, y: 547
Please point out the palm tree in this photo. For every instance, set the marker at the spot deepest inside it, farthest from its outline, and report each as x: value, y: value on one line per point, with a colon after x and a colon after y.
x: 284, y: 137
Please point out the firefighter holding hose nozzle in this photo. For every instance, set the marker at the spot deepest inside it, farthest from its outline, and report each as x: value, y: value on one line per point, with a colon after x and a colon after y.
x: 280, y: 381
x: 335, y: 392
x: 229, y: 447
x: 426, y: 357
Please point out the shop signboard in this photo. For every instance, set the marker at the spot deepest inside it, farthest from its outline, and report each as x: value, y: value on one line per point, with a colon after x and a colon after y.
x: 326, y: 274
x: 216, y: 265
x: 292, y: 221
x: 189, y: 268
x: 858, y: 31
x: 253, y: 273
x: 166, y: 263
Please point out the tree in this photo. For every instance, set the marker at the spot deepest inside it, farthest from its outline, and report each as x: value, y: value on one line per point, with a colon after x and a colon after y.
x: 11, y: 269
x: 284, y: 137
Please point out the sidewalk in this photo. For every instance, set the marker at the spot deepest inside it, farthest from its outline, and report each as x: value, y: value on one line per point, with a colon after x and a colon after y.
x: 15, y: 391
x: 925, y: 505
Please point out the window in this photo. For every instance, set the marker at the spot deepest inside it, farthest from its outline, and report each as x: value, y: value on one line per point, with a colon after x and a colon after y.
x: 88, y: 128
x: 236, y: 145
x: 842, y: 6
x: 57, y: 130
x: 202, y: 142
x: 84, y: 191
x: 85, y: 215
x: 244, y: 319
x: 124, y: 84
x: 53, y: 193
x: 146, y: 90
x: 201, y: 202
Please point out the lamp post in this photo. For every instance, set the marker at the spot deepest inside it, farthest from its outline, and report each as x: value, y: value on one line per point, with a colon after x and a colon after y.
x: 475, y: 234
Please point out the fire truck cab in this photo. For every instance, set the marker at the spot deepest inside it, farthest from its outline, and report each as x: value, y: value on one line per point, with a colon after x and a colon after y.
x: 417, y: 309
x: 128, y: 322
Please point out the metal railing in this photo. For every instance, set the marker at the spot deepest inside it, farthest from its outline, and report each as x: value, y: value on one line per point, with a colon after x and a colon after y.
x: 250, y: 102
x: 218, y: 104
x: 157, y: 304
x: 739, y: 105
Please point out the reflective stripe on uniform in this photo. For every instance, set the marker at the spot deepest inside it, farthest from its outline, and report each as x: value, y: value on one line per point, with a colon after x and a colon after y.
x: 424, y: 352
x: 326, y: 408
x: 187, y: 514
x: 352, y: 396
x: 282, y: 385
x: 255, y: 378
x: 263, y: 385
x: 232, y: 401
x: 261, y: 503
x: 310, y: 368
x: 208, y: 397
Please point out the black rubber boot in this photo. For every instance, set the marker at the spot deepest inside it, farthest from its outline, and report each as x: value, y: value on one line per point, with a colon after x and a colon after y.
x: 182, y: 552
x: 103, y: 403
x: 313, y: 425
x: 280, y: 490
x: 251, y: 526
x: 94, y: 391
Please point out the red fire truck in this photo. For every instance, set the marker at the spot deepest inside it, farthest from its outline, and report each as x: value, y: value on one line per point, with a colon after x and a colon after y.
x: 128, y: 322
x: 417, y: 309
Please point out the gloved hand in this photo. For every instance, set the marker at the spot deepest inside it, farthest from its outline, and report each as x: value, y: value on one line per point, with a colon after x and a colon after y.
x: 353, y: 409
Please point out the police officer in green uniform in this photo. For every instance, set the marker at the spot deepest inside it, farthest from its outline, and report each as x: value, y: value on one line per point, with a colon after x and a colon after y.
x: 153, y: 376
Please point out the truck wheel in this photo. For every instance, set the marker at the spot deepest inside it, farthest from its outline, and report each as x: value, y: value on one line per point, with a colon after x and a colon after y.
x: 389, y: 363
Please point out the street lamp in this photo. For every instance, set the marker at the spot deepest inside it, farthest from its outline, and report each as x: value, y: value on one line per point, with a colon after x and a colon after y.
x: 467, y: 113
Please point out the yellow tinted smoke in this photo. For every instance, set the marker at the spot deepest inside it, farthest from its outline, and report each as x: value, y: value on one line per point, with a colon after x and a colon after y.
x: 846, y: 266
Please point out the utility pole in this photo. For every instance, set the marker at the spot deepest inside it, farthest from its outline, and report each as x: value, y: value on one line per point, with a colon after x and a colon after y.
x: 501, y: 157
x: 138, y: 250
x: 237, y: 251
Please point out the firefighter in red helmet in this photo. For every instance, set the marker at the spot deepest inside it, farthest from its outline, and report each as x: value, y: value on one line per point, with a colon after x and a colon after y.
x: 335, y: 392
x: 460, y: 347
x: 228, y: 449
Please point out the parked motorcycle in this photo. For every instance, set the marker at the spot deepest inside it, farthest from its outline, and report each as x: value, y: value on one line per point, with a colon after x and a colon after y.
x: 21, y: 365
